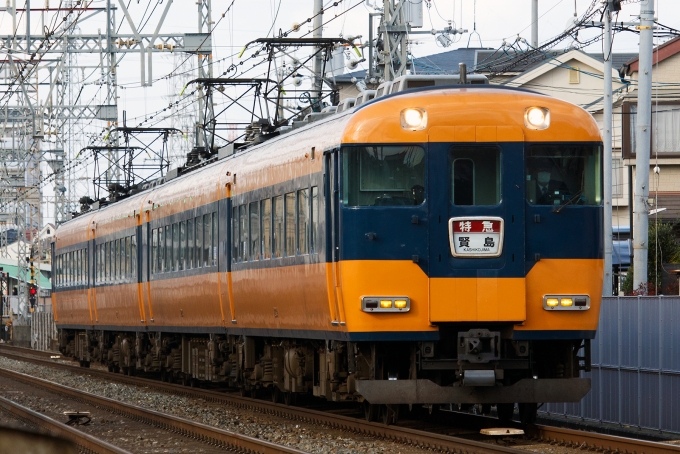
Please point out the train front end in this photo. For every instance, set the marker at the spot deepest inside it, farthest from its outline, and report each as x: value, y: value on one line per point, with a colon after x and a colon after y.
x: 467, y: 239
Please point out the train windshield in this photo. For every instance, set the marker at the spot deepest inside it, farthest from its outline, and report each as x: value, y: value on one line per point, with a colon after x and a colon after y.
x: 476, y: 175
x: 391, y: 175
x: 564, y: 174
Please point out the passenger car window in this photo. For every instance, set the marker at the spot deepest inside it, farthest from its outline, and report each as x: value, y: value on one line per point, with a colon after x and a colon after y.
x: 475, y: 176
x: 391, y: 175
x: 303, y: 221
x: 289, y: 200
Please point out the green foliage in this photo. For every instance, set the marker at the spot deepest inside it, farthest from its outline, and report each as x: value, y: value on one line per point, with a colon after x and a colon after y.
x: 663, y: 248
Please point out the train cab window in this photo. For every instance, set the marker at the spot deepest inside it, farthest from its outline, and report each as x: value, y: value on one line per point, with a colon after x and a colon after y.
x: 190, y: 244
x: 313, y: 246
x: 475, y: 176
x: 266, y: 212
x: 255, y: 231
x: 289, y: 208
x: 303, y: 221
x: 564, y: 174
x: 277, y: 209
x: 383, y: 175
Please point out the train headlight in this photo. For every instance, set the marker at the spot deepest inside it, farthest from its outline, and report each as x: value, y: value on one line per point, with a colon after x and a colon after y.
x: 385, y: 304
x: 413, y: 119
x: 566, y: 302
x: 537, y: 118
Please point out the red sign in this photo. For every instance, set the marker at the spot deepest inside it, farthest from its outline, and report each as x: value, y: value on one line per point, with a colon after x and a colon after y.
x: 475, y: 226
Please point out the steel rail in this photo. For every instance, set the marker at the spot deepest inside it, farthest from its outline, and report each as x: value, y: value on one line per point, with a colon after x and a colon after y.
x: 600, y: 442
x: 220, y: 437
x: 86, y: 442
x: 554, y: 435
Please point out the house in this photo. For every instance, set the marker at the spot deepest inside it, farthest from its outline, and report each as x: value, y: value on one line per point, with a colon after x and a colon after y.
x: 664, y: 186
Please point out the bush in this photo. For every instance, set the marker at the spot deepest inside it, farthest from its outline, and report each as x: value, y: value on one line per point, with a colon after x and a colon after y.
x: 663, y: 248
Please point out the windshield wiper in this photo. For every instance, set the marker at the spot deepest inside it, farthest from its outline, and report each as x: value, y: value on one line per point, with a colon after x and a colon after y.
x: 568, y: 202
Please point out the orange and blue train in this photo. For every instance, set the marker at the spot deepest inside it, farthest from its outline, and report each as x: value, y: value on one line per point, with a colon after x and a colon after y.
x: 438, y: 246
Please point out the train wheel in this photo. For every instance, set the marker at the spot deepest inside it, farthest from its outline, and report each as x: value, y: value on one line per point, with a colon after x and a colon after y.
x: 486, y: 409
x: 371, y: 411
x: 131, y: 371
x: 125, y: 370
x: 505, y: 411
x: 527, y: 413
x: 110, y: 367
x: 389, y: 414
x: 289, y: 398
x: 164, y: 375
x: 276, y: 394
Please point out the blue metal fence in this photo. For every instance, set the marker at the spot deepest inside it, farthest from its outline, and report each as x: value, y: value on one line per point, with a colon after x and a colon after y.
x: 636, y: 366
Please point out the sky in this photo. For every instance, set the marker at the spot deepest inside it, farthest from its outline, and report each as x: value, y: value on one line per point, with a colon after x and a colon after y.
x: 489, y: 24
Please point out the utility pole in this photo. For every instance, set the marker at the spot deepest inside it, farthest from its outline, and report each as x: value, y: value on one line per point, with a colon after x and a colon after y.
x: 607, y: 142
x: 534, y: 23
x: 642, y: 146
x: 317, y: 26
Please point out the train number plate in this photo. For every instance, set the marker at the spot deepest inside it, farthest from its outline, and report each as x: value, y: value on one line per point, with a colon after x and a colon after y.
x: 476, y: 236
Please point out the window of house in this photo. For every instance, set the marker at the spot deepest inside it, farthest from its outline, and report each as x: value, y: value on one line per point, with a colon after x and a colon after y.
x: 617, y: 178
x: 574, y: 75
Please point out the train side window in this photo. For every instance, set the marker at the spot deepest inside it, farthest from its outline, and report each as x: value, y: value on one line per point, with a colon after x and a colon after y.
x: 190, y: 244
x: 133, y: 256
x: 86, y: 268
x: 168, y: 248
x: 154, y: 250
x: 277, y: 209
x: 313, y: 246
x: 289, y: 200
x: 114, y: 260
x: 107, y: 264
x: 234, y: 234
x: 213, y: 251
x: 243, y: 232
x: 128, y: 258
x: 182, y: 244
x: 199, y: 241
x: 207, y: 239
x: 175, y: 247
x: 255, y: 230
x: 121, y: 259
x: 266, y: 230
x: 475, y: 176
x: 303, y: 221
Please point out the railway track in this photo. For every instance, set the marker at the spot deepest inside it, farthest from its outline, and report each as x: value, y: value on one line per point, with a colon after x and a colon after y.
x: 85, y: 442
x: 228, y: 440
x: 547, y: 434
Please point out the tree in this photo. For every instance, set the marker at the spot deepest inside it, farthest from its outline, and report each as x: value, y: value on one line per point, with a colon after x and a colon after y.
x: 663, y: 248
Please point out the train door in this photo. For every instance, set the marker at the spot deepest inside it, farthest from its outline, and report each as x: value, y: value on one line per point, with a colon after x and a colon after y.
x: 332, y: 234
x: 476, y: 232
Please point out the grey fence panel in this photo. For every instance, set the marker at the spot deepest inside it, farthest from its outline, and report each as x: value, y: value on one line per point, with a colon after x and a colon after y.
x: 636, y: 366
x: 43, y: 330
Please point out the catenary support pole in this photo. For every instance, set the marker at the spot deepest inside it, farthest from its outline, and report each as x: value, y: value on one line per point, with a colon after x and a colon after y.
x: 317, y: 26
x: 534, y: 23
x: 607, y: 151
x: 642, y: 146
